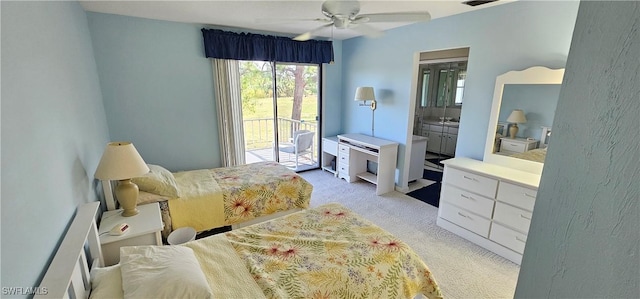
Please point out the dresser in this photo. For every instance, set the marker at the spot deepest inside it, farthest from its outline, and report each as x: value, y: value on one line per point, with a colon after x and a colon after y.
x: 354, y: 153
x: 488, y: 204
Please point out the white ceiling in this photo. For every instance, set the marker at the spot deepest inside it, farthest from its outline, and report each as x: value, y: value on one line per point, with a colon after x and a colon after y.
x: 245, y: 14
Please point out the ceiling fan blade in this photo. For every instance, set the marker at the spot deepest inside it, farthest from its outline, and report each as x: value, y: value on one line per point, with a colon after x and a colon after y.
x: 394, y: 17
x: 284, y: 21
x: 367, y: 30
x: 308, y: 35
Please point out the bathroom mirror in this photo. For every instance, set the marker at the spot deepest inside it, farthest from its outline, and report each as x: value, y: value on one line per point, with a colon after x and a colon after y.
x: 535, y: 92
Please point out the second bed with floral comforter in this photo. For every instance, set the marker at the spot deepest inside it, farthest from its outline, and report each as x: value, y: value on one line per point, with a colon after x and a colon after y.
x: 325, y: 252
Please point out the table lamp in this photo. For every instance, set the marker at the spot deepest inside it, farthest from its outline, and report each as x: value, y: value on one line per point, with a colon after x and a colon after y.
x: 121, y: 161
x: 516, y: 117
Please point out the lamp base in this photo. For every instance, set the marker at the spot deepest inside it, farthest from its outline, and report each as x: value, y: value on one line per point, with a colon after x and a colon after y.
x: 513, y: 131
x: 127, y: 194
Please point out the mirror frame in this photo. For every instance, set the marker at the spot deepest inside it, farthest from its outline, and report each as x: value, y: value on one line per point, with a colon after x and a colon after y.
x: 532, y: 75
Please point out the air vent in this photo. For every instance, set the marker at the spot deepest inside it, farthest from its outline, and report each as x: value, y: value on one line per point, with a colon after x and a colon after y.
x: 478, y: 2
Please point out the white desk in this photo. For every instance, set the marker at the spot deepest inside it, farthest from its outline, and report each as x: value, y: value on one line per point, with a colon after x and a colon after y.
x: 354, y: 150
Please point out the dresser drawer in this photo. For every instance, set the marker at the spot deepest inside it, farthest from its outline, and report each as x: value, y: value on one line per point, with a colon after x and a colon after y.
x: 465, y: 219
x: 508, y: 238
x: 344, y: 149
x: 471, y: 182
x: 467, y: 200
x: 517, y: 195
x: 342, y: 158
x: 512, y: 217
x: 511, y: 146
x: 343, y: 168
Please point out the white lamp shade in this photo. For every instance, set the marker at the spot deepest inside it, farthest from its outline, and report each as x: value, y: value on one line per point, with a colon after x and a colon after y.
x: 365, y: 94
x: 517, y: 116
x: 120, y: 161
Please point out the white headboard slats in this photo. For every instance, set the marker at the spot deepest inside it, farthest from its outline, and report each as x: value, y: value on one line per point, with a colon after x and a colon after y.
x: 108, y: 195
x: 68, y: 273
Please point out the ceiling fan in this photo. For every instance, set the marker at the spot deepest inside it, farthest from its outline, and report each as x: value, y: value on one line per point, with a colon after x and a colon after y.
x: 343, y: 14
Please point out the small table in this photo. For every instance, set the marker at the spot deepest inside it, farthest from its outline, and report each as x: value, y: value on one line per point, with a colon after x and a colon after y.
x: 517, y: 145
x: 144, y: 229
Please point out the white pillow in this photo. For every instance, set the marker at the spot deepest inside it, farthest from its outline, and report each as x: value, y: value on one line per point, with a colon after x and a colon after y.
x: 106, y: 282
x: 162, y: 272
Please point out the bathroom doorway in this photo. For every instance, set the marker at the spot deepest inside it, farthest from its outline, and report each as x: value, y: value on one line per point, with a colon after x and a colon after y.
x: 440, y: 96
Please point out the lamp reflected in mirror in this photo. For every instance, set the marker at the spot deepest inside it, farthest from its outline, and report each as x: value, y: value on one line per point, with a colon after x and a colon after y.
x: 516, y: 117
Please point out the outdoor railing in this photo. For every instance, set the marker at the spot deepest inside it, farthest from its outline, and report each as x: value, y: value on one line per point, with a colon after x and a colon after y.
x: 258, y: 132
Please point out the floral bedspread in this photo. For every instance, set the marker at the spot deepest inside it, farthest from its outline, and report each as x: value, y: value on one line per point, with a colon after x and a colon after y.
x: 330, y: 252
x: 535, y: 155
x: 219, y: 197
x: 258, y: 189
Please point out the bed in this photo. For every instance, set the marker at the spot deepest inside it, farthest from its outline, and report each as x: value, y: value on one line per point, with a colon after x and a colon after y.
x: 538, y: 154
x: 535, y: 155
x: 324, y: 252
x: 211, y: 198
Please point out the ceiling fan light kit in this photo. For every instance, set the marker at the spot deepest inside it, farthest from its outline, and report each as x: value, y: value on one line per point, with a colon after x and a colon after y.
x: 345, y: 15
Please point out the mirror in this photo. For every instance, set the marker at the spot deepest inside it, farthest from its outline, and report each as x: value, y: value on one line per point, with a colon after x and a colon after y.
x: 527, y: 100
x: 446, y: 81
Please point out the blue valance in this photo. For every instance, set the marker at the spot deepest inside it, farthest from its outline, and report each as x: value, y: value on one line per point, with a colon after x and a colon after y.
x: 247, y: 46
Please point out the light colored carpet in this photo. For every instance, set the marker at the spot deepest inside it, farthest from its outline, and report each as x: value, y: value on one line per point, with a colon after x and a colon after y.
x: 461, y: 268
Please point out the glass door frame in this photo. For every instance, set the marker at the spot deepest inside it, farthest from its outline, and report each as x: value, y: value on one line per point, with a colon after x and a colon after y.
x: 316, y: 148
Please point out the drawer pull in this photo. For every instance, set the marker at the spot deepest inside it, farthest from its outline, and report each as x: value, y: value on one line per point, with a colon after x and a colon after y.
x: 523, y: 241
x: 463, y: 215
x: 467, y: 197
x: 525, y: 217
x: 528, y: 195
x: 468, y: 178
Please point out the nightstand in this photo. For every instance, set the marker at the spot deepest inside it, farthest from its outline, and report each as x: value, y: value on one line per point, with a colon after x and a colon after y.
x: 517, y: 145
x: 144, y: 229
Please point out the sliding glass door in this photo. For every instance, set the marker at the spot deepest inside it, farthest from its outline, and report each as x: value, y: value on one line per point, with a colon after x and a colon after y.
x: 280, y: 104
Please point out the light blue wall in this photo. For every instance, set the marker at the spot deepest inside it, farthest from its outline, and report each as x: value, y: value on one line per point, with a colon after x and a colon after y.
x: 54, y: 131
x: 584, y: 240
x: 157, y: 87
x: 538, y: 103
x: 507, y: 37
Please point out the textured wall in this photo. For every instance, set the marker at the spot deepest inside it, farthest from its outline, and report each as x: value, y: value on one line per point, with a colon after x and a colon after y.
x: 54, y: 131
x: 583, y: 241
